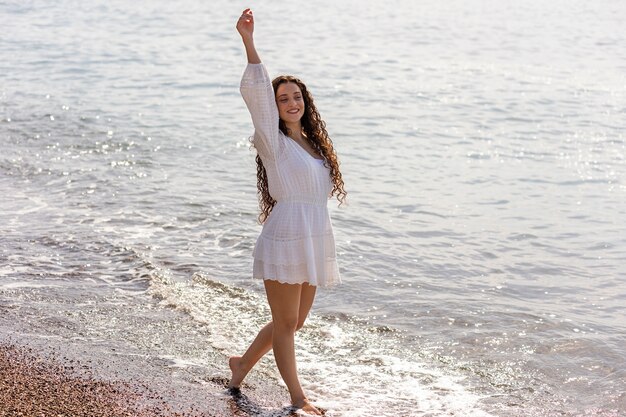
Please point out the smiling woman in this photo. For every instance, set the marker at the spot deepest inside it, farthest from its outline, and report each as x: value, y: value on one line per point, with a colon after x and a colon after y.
x: 295, y: 252
x: 290, y: 103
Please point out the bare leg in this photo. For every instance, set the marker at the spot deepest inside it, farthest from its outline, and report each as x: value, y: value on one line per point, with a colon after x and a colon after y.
x: 284, y: 300
x: 241, y: 365
x: 307, y: 296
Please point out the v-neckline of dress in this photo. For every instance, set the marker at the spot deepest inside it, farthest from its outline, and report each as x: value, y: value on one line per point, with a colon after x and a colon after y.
x: 304, y: 150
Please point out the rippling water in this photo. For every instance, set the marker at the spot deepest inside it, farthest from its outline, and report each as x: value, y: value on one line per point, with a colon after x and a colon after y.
x: 482, y: 145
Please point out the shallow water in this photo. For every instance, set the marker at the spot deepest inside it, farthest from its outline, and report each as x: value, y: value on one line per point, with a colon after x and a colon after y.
x: 482, y: 144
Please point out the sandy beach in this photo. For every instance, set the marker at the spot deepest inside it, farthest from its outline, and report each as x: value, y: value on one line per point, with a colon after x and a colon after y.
x: 31, y: 385
x: 38, y: 383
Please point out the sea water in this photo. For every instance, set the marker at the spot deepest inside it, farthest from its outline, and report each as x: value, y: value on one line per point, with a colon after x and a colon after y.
x: 483, y: 245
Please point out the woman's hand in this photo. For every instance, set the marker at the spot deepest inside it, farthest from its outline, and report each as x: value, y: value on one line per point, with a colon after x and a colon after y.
x: 245, y: 27
x: 245, y: 24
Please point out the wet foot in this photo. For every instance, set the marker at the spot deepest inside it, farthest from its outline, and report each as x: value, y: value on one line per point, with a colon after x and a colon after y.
x: 239, y: 373
x: 308, y: 408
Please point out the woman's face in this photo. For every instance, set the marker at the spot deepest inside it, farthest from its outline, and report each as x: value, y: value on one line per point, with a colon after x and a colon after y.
x: 290, y: 102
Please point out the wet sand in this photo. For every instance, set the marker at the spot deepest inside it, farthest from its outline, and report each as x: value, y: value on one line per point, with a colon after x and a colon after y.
x: 34, y: 386
x: 39, y: 383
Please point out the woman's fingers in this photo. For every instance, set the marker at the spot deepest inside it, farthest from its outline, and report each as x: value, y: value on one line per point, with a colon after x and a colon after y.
x: 245, y: 24
x: 246, y: 16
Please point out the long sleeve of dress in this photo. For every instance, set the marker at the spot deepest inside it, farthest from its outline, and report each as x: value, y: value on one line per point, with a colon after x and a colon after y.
x: 256, y: 90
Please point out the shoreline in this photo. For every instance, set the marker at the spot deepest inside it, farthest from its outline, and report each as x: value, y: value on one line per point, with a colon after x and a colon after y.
x: 47, y: 383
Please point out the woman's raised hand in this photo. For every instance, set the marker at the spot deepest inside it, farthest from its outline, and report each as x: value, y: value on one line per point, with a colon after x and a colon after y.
x: 245, y: 27
x: 245, y: 24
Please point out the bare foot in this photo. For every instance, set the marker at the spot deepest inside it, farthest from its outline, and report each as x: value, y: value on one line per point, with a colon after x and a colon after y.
x: 239, y: 373
x: 308, y: 408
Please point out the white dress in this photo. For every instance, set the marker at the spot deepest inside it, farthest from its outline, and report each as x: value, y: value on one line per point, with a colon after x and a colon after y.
x: 296, y: 244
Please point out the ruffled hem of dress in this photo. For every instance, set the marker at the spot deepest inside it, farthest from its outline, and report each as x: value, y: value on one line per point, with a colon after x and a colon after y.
x: 324, y: 285
x: 324, y: 274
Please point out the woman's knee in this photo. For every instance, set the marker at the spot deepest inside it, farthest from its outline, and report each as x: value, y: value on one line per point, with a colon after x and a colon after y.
x: 286, y: 324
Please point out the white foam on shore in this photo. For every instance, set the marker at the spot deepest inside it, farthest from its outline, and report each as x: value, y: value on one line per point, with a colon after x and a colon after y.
x: 343, y: 366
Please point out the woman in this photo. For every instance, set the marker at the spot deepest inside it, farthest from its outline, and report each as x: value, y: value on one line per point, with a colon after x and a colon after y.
x: 297, y: 171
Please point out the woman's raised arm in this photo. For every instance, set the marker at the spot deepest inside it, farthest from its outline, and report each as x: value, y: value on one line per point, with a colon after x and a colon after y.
x: 258, y: 93
x: 245, y: 27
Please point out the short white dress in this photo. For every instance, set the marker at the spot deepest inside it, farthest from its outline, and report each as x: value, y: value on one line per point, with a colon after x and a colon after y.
x: 296, y: 244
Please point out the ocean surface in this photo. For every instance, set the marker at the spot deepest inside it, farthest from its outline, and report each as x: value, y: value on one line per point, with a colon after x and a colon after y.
x: 482, y: 143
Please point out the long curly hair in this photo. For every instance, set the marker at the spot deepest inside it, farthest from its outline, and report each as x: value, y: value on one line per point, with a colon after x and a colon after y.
x: 314, y: 130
